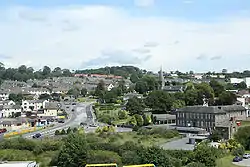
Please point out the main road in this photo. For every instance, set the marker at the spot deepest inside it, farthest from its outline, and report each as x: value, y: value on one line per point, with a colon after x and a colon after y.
x: 78, y: 113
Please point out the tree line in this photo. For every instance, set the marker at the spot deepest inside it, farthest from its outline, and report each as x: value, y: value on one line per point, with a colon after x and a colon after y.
x: 24, y: 73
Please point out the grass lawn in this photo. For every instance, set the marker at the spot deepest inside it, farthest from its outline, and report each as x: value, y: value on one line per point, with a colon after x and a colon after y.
x: 225, y: 162
x: 148, y: 140
x: 245, y: 123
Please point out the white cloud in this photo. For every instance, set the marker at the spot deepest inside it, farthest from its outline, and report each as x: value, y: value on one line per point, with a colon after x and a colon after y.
x: 144, y: 3
x: 78, y: 35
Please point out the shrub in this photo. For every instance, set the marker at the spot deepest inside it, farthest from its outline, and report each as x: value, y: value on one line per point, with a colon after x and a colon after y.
x: 69, y: 130
x: 101, y: 157
x: 57, y: 132
x: 63, y: 132
x: 239, y: 151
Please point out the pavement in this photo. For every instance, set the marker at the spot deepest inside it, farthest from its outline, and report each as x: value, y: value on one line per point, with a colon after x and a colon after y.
x: 244, y: 162
x: 178, y: 144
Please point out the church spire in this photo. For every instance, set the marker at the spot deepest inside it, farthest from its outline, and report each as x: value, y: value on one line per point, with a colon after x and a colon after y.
x: 162, y: 79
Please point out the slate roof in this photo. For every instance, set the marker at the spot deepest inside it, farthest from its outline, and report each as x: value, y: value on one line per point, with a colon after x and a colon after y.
x: 212, y: 109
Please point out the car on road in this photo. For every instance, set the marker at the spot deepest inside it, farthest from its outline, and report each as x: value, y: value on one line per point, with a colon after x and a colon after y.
x: 93, y: 125
x: 246, y: 156
x: 36, y: 136
x: 72, y: 110
x: 83, y: 124
x: 237, y: 159
x: 3, y: 130
x: 73, y: 104
x: 61, y: 120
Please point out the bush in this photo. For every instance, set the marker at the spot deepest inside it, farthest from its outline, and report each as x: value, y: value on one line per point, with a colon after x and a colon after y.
x: 130, y: 157
x: 75, y: 130
x: 101, y: 157
x: 68, y: 130
x: 63, y: 132
x: 57, y: 132
x: 239, y: 151
x: 195, y: 164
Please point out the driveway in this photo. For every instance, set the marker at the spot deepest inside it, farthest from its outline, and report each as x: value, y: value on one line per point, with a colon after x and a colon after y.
x: 244, y: 162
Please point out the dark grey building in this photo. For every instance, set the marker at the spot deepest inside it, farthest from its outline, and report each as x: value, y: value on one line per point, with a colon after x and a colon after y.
x: 211, y: 117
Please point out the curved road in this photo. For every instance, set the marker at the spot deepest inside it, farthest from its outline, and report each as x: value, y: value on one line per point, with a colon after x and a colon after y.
x: 83, y: 112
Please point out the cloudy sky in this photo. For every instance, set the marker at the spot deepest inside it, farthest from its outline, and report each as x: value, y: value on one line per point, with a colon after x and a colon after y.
x: 184, y: 35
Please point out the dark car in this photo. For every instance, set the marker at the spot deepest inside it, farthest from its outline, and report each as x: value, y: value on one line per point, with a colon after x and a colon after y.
x: 83, y: 124
x: 36, y: 136
x: 73, y: 104
x: 3, y: 130
x: 237, y: 159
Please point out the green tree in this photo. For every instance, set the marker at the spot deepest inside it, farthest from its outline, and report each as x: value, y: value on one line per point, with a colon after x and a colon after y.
x: 195, y: 164
x: 133, y: 121
x: 191, y: 97
x: 57, y: 132
x: 122, y: 114
x: 141, y: 87
x: 69, y: 130
x: 63, y: 132
x: 74, y: 152
x: 102, y: 157
x: 159, y: 101
x: 205, y: 90
x: 139, y: 119
x: 84, y: 92
x: 226, y: 98
x: 44, y: 96
x: 242, y: 85
x: 243, y: 137
x: 130, y: 157
x: 217, y: 87
x: 74, y: 92
x: 100, y: 89
x: 134, y: 78
x: 135, y: 106
x: 46, y: 71
x: 152, y: 83
x: 178, y: 104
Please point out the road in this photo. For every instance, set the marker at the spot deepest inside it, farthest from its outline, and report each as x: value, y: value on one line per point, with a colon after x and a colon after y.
x: 83, y: 112
x: 75, y: 118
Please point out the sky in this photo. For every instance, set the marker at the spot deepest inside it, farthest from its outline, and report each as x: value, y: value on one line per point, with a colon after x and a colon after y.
x: 184, y: 35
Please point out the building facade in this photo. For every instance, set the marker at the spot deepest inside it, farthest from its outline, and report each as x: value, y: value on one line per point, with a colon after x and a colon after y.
x: 211, y: 117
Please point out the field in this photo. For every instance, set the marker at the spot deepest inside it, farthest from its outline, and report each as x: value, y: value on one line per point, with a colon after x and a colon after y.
x: 225, y: 162
x: 146, y: 140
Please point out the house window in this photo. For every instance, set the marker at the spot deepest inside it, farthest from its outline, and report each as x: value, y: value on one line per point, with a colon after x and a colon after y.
x: 241, y: 112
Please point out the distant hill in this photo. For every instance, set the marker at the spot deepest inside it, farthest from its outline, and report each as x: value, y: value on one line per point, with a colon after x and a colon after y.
x: 124, y: 71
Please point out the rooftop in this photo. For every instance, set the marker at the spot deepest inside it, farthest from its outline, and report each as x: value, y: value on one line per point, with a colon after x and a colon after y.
x: 212, y: 109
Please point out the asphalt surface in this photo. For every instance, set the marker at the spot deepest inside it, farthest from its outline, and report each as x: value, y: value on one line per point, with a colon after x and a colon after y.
x: 244, y: 162
x: 82, y: 113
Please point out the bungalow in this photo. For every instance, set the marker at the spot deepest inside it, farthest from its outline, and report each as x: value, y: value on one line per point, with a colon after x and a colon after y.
x: 38, y: 91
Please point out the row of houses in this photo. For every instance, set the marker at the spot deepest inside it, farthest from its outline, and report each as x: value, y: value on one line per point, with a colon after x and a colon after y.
x: 40, y: 108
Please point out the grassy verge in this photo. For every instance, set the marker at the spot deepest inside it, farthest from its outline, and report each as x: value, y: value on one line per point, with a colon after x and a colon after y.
x: 225, y: 162
x: 245, y: 123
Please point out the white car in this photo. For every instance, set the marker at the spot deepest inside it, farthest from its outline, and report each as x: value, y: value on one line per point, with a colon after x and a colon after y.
x: 246, y: 156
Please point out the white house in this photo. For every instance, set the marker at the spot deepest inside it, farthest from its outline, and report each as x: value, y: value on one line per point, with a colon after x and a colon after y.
x: 33, y: 105
x: 4, y: 95
x: 244, y: 103
x: 236, y: 80
x: 10, y: 110
x: 38, y: 91
x: 110, y: 87
x: 7, y: 102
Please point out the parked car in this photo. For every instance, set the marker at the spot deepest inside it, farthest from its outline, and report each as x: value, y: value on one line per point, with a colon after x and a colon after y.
x: 237, y: 159
x: 3, y: 130
x: 246, y: 155
x: 73, y: 104
x: 83, y: 124
x: 36, y: 136
x: 93, y: 125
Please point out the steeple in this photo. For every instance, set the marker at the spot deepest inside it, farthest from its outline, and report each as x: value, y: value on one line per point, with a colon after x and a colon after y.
x: 162, y: 79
